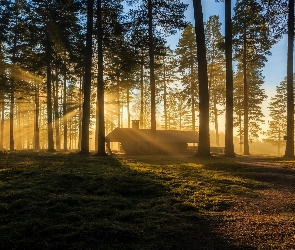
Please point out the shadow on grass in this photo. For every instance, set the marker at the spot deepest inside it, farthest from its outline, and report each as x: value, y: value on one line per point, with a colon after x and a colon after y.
x: 268, y: 172
x: 68, y: 201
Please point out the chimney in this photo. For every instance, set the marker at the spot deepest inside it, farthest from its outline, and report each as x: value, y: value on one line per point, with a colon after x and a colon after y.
x: 135, y: 124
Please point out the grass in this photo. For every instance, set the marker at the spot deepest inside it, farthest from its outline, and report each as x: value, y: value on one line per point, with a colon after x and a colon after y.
x: 69, y: 201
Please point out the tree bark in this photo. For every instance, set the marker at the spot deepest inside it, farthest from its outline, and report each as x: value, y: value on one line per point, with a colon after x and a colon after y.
x: 290, y: 89
x: 204, y: 138
x: 100, y: 85
x: 65, y: 122
x: 87, y: 81
x: 246, y: 118
x: 36, y: 123
x: 229, y: 145
x: 49, y: 101
x: 152, y: 76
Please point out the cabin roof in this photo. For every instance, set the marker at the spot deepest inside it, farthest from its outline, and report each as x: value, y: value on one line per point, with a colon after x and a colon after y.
x: 145, y: 135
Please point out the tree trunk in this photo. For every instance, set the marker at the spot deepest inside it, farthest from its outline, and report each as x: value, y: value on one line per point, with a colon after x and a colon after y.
x: 11, y: 116
x: 56, y: 113
x: 229, y: 145
x: 36, y: 123
x: 100, y: 84
x: 87, y: 81
x: 65, y: 122
x: 2, y: 119
x: 128, y: 103
x: 193, y: 99
x: 152, y: 76
x: 49, y: 102
x: 290, y: 89
x: 204, y: 138
x: 141, y: 94
x: 246, y: 118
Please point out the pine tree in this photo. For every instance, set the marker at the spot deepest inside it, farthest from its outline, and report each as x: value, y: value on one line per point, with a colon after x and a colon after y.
x: 252, y: 44
x: 204, y: 140
x: 278, y: 117
x: 186, y: 52
x: 216, y: 73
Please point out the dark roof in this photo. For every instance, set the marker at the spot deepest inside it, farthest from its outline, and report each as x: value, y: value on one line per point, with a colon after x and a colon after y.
x: 141, y: 135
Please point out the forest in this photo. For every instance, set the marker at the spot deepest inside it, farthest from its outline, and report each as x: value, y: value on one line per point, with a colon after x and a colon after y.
x: 71, y: 71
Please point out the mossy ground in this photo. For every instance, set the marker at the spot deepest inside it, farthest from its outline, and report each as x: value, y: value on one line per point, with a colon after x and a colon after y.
x: 70, y: 201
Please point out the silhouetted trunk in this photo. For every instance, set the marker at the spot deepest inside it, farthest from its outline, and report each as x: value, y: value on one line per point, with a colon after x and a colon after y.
x: 36, y: 122
x: 56, y: 113
x: 118, y: 103
x: 11, y: 116
x: 65, y: 122
x: 152, y: 67
x: 2, y: 119
x: 128, y: 102
x: 229, y: 145
x: 100, y: 84
x: 80, y: 113
x: 290, y: 89
x: 87, y: 81
x: 204, y: 137
x: 165, y: 100
x: 141, y: 94
x: 19, y: 137
x: 49, y: 102
x: 246, y: 120
x: 193, y: 99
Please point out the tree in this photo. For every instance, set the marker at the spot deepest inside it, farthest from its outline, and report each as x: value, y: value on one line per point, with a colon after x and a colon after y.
x: 252, y: 44
x: 278, y: 117
x: 87, y: 81
x: 186, y: 52
x: 167, y: 18
x: 229, y: 146
x: 256, y: 95
x: 216, y: 73
x: 204, y: 140
x: 290, y: 84
x: 100, y: 84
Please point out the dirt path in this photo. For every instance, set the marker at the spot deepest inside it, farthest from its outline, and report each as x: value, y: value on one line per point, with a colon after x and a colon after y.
x: 265, y: 220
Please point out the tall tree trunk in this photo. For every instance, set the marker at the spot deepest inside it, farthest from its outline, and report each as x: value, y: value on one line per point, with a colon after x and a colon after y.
x: 56, y: 113
x: 19, y: 137
x: 65, y: 122
x: 204, y: 137
x: 49, y: 101
x: 290, y: 89
x: 193, y: 99
x: 11, y: 116
x: 118, y: 103
x: 152, y: 70
x: 165, y: 98
x: 246, y: 117
x: 36, y: 122
x: 141, y: 95
x: 100, y: 84
x: 2, y: 119
x: 80, y: 113
x: 229, y: 145
x: 87, y: 81
x: 128, y: 102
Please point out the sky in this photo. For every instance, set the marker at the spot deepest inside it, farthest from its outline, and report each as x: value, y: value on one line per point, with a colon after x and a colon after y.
x: 275, y: 69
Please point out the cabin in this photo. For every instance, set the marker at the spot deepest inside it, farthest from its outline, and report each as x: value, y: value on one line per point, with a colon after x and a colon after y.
x: 141, y: 141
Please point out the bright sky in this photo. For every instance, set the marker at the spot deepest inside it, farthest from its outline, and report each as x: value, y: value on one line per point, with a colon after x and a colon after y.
x: 276, y: 68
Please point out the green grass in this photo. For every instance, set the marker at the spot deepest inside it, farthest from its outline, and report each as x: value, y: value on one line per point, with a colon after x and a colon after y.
x: 69, y: 201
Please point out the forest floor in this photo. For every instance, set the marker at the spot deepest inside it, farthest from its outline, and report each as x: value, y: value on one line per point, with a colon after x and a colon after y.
x: 70, y: 201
